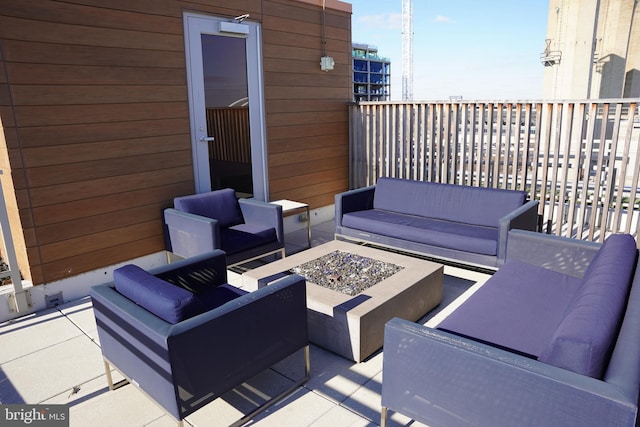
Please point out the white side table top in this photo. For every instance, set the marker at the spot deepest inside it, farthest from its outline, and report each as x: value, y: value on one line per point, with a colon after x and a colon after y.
x: 289, y: 205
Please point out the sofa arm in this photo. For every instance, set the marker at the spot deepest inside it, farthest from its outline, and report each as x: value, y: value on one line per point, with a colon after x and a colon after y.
x: 443, y: 380
x: 258, y: 212
x: 191, y: 234
x: 524, y: 218
x: 217, y: 350
x: 560, y: 254
x: 352, y: 201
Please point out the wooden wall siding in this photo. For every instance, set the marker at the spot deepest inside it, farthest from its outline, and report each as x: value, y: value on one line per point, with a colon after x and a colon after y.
x: 307, y: 117
x: 94, y: 114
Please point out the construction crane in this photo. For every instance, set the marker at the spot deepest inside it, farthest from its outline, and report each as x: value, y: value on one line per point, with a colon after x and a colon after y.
x: 407, y: 50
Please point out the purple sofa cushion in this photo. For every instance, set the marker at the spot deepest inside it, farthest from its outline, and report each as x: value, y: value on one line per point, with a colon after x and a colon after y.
x: 446, y: 234
x: 220, y: 204
x: 458, y: 203
x: 246, y: 236
x: 518, y: 308
x: 584, y: 339
x: 169, y: 302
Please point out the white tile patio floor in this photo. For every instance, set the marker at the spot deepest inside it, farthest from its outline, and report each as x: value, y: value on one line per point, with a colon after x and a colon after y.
x: 53, y: 357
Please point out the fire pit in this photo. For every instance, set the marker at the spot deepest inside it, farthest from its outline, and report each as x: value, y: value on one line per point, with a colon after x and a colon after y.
x: 346, y: 272
x: 352, y: 323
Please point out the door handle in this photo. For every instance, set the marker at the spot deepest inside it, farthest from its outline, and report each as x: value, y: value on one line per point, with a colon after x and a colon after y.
x: 207, y: 138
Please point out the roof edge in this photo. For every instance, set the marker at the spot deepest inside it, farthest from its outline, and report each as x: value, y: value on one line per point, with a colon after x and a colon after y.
x: 331, y: 4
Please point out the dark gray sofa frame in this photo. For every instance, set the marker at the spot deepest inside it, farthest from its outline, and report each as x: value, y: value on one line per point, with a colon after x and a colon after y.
x: 446, y: 380
x: 184, y: 366
x: 525, y: 217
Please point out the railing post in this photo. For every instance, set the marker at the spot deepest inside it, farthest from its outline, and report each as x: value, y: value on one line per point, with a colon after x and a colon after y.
x: 19, y: 300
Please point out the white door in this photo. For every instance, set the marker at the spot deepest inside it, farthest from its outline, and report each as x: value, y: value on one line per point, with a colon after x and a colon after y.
x: 226, y: 100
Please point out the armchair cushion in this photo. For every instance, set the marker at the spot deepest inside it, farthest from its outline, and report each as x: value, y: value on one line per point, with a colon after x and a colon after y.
x: 246, y: 236
x: 221, y: 205
x: 169, y: 302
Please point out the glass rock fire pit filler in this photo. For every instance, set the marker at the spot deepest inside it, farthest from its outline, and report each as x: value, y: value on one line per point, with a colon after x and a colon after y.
x: 345, y: 272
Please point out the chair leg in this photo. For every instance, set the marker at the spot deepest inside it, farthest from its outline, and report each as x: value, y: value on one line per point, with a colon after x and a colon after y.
x: 383, y: 417
x: 307, y: 364
x: 112, y: 386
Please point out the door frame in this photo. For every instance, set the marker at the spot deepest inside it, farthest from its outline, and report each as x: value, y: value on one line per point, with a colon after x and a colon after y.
x: 194, y: 26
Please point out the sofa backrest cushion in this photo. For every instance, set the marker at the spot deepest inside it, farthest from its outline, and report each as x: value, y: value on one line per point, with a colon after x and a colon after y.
x: 459, y: 203
x: 585, y: 338
x: 220, y: 204
x: 167, y: 301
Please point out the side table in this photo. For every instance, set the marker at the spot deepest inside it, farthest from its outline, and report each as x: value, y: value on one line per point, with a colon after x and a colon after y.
x: 290, y: 207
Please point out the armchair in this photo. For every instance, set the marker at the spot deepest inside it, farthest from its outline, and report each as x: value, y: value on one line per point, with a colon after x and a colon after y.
x: 245, y: 229
x: 185, y: 337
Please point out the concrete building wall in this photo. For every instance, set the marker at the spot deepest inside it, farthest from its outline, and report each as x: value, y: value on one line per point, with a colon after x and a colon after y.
x: 631, y: 87
x: 594, y: 49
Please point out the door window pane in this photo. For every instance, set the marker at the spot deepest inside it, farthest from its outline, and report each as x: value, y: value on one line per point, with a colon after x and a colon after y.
x: 227, y: 110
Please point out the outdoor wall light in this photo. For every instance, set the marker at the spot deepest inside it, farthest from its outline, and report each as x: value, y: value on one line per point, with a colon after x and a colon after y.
x: 327, y: 63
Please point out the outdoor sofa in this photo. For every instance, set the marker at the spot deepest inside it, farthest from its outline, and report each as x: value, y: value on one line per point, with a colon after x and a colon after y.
x: 461, y: 223
x: 551, y: 339
x: 184, y: 336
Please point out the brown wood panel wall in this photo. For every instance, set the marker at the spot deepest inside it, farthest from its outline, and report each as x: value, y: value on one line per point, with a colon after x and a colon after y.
x: 95, y: 116
x: 307, y: 117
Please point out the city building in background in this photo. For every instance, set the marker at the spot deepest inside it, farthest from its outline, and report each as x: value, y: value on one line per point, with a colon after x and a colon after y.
x: 592, y: 50
x: 371, y: 74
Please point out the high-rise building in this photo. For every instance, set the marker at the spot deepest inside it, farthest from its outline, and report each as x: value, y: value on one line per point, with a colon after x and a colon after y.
x: 371, y: 74
x: 592, y: 49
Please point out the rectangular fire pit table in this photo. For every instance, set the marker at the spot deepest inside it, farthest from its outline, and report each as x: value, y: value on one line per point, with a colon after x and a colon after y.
x: 353, y: 326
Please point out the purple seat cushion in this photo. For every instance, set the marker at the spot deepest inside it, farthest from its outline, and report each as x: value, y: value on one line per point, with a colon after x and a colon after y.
x: 584, y: 340
x: 457, y: 203
x: 446, y: 234
x: 220, y: 204
x: 519, y: 308
x: 246, y: 236
x: 169, y: 302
